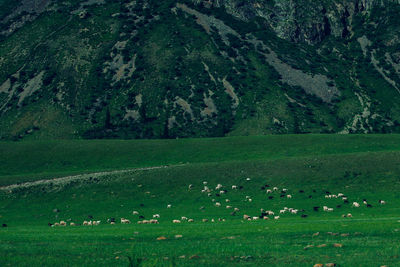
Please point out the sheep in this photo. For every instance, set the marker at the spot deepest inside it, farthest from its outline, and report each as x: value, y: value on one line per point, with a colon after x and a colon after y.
x: 276, y: 218
x: 204, y: 183
x: 247, y: 197
x: 275, y: 188
x: 330, y: 210
x: 248, y: 179
x: 85, y: 223
x: 356, y: 204
x: 153, y: 221
x: 190, y: 186
x: 169, y: 206
x: 90, y: 223
x: 255, y: 218
x: 204, y: 220
x: 282, y: 211
x: 289, y: 196
x: 112, y: 223
x: 183, y: 218
x: 96, y: 222
x: 284, y: 190
x: 234, y: 187
x: 236, y: 209
x: 269, y: 191
x: 227, y: 200
x: 125, y: 221
x: 365, y: 202
x: 63, y: 223
x: 250, y: 200
x: 294, y: 211
x: 382, y: 202
x: 176, y: 221
x: 56, y: 224
x: 265, y: 218
x: 340, y: 195
x: 349, y: 215
x: 219, y: 186
x: 246, y: 217
x: 270, y: 212
x: 156, y: 216
x: 222, y: 192
x: 135, y: 212
x: 217, y: 204
x: 190, y: 220
x: 228, y: 207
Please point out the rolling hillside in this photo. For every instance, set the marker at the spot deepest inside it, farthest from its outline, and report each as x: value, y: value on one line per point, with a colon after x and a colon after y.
x: 165, y: 69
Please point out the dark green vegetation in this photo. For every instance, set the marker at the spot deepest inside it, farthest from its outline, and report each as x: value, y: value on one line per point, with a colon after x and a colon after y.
x: 30, y: 161
x: 165, y: 69
x: 361, y: 167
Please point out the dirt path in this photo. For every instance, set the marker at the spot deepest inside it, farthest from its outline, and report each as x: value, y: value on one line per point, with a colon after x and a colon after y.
x: 65, y: 180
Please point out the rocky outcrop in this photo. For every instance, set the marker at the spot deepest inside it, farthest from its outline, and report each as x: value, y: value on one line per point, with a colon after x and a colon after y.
x: 301, y: 21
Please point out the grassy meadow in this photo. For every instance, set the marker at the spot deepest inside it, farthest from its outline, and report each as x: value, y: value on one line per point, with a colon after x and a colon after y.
x: 359, y: 166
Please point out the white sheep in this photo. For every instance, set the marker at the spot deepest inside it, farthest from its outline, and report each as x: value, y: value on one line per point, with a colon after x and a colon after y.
x: 125, y: 221
x: 204, y: 183
x: 169, y: 206
x: 217, y: 204
x: 248, y: 179
x: 135, y: 212
x: 276, y: 217
x: 227, y: 200
x: 275, y: 188
x: 156, y: 216
x: 269, y: 191
x: 218, y: 187
x: 183, y: 218
x: 356, y: 204
x: 289, y: 196
x: 176, y: 221
x: 228, y: 207
x: 234, y: 186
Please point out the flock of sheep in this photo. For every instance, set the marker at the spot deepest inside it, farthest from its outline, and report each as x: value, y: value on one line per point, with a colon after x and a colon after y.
x: 220, y: 191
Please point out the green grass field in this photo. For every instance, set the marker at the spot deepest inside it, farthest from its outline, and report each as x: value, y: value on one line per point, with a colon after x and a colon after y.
x: 359, y: 166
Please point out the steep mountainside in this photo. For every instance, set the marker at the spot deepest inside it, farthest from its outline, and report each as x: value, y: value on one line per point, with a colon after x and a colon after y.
x: 193, y: 68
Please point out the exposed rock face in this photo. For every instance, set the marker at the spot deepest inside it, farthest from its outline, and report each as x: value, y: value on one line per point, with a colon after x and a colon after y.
x: 301, y: 21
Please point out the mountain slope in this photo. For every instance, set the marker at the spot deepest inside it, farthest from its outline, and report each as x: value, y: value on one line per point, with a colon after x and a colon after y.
x: 151, y: 69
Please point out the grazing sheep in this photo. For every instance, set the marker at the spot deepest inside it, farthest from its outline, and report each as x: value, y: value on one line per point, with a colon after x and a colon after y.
x: 219, y: 186
x: 56, y: 224
x: 255, y: 218
x: 153, y: 221
x: 284, y: 190
x: 234, y: 186
x: 135, y: 212
x: 204, y: 220
x: 293, y: 211
x: 282, y: 211
x: 169, y: 206
x: 176, y: 221
x: 269, y: 191
x: 228, y: 207
x: 248, y: 179
x: 365, y: 202
x: 112, y: 223
x: 227, y: 200
x: 190, y: 220
x: 72, y: 224
x: 276, y: 218
x: 204, y: 183
x: 96, y: 222
x: 250, y: 200
x: 125, y: 221
x: 222, y: 192
x: 183, y: 218
x: 236, y: 209
x: 356, y: 204
x: 190, y: 186
x: 63, y: 223
x: 275, y: 188
x: 265, y: 218
x: 85, y: 223
x: 382, y: 202
x: 246, y: 217
x: 217, y: 204
x: 156, y: 216
x: 349, y: 215
x: 289, y: 196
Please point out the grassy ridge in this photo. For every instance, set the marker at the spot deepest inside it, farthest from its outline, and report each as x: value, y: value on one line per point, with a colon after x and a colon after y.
x: 27, y: 161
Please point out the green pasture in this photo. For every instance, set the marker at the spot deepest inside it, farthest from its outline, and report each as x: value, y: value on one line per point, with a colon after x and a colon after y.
x: 361, y: 167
